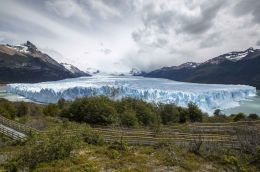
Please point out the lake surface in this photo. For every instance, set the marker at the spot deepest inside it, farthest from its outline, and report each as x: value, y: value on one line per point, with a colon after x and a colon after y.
x: 250, y: 106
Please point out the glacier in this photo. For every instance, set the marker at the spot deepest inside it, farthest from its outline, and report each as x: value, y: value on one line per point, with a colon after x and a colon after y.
x: 207, y: 96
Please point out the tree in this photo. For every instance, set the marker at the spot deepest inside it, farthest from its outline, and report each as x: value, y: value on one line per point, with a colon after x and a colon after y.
x: 61, y: 103
x: 22, y: 109
x: 253, y: 116
x: 195, y: 114
x: 92, y: 110
x: 239, y: 117
x: 217, y: 112
x: 183, y: 115
x: 145, y: 112
x: 51, y: 110
x: 169, y: 113
x: 7, y: 109
x: 129, y: 119
x: 145, y: 115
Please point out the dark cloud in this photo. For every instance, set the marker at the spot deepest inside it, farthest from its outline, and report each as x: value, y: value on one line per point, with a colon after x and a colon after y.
x: 171, y: 19
x: 211, y: 40
x: 200, y: 24
x: 162, y: 21
x: 144, y: 34
x: 244, y: 7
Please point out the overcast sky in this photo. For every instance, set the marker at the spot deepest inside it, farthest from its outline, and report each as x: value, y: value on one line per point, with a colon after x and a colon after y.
x: 117, y: 35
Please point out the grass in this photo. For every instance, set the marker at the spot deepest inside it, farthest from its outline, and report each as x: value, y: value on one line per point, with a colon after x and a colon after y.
x: 163, y: 156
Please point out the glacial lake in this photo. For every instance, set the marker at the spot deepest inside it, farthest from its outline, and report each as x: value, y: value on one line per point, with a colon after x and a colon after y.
x: 252, y: 105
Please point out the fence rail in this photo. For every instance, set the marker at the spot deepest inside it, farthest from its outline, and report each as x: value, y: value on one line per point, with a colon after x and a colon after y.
x: 218, y: 132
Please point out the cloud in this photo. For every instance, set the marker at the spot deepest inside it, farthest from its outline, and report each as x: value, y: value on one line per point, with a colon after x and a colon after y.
x: 204, y: 21
x: 258, y: 43
x: 106, y: 51
x: 142, y: 34
x: 248, y: 7
x: 211, y: 40
x: 67, y: 9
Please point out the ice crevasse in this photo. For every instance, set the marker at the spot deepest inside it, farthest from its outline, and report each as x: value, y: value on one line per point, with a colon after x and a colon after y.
x: 207, y: 96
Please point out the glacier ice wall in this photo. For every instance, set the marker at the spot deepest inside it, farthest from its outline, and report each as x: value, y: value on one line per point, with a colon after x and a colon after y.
x: 207, y: 96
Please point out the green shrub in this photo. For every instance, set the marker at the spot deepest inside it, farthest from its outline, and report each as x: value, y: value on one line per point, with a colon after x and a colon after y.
x: 92, y: 137
x: 92, y: 110
x: 45, y: 148
x: 183, y: 115
x: 121, y: 145
x: 128, y: 118
x: 239, y: 117
x: 169, y: 113
x: 195, y: 114
x: 7, y: 109
x: 51, y: 110
x: 253, y: 116
x: 217, y: 112
x: 22, y: 109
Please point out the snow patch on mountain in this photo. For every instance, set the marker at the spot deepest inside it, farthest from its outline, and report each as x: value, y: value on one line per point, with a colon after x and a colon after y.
x: 232, y: 56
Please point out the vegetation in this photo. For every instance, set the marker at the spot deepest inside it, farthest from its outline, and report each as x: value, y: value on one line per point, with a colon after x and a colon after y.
x: 45, y: 148
x: 86, y: 149
x: 127, y: 112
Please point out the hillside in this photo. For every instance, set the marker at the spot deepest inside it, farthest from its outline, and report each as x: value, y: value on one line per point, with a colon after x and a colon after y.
x: 25, y: 63
x: 98, y: 134
x: 231, y: 68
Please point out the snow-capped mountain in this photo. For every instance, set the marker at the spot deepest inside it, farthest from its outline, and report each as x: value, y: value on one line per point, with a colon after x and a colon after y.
x: 232, y: 56
x: 93, y: 71
x: 30, y: 49
x: 136, y: 72
x: 26, y: 63
x: 237, y: 67
x: 188, y: 65
x: 73, y: 69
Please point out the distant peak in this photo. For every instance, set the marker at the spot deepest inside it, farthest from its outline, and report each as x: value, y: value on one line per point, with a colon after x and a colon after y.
x: 31, y: 47
x: 28, y: 43
x: 250, y: 49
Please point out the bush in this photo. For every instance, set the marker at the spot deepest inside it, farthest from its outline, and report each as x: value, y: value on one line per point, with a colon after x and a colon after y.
x: 169, y: 113
x: 145, y: 112
x: 51, y: 110
x: 253, y: 117
x: 92, y: 137
x: 195, y: 114
x: 128, y: 112
x: 217, y: 112
x: 239, y: 117
x: 44, y: 148
x: 92, y: 110
x: 22, y: 109
x: 184, y: 113
x: 129, y: 119
x: 7, y: 109
x: 61, y: 103
x: 119, y: 145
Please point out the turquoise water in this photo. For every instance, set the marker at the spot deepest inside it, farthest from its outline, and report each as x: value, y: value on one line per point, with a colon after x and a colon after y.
x: 250, y: 106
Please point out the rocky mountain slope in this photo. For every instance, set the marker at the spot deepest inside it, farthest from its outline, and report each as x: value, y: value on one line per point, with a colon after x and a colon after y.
x: 25, y: 63
x: 238, y: 67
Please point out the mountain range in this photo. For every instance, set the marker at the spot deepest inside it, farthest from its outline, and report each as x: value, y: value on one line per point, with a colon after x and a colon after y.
x: 237, y: 67
x: 26, y: 63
